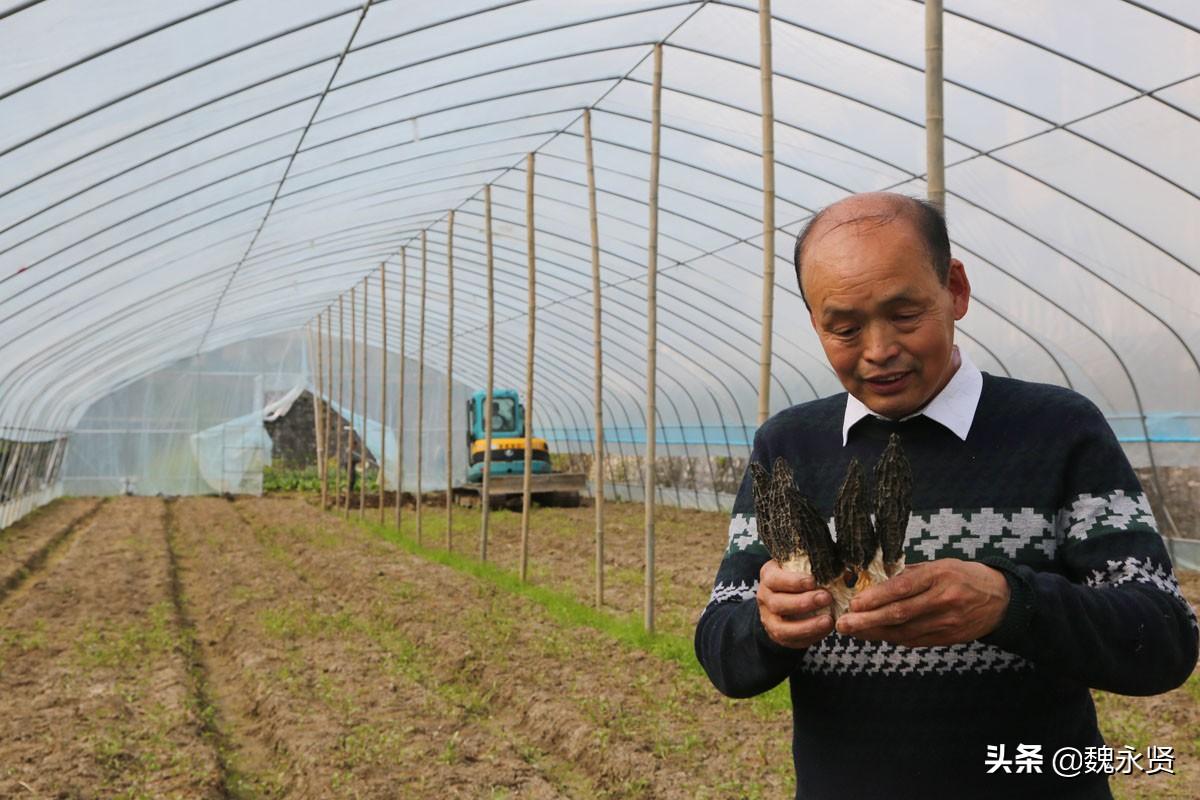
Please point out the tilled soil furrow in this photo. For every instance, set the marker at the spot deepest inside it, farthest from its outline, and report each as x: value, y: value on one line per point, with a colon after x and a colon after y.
x: 635, y: 725
x: 196, y: 669
x: 319, y: 697
x: 26, y: 547
x: 94, y: 699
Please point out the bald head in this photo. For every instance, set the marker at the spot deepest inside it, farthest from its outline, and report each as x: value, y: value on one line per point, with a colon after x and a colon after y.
x: 875, y: 209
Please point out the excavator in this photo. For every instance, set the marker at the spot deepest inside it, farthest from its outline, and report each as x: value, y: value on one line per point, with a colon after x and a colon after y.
x: 506, y: 481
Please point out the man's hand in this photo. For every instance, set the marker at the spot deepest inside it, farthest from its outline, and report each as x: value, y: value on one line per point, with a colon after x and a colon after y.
x: 940, y: 602
x: 784, y: 600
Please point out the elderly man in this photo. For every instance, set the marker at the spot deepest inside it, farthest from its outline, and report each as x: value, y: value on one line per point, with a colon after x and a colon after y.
x: 1035, y: 569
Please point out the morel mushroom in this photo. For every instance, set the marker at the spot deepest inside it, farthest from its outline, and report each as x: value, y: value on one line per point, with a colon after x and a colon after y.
x: 893, y: 504
x: 797, y: 536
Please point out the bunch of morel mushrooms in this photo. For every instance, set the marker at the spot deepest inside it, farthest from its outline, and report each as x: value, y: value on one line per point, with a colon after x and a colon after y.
x: 797, y: 536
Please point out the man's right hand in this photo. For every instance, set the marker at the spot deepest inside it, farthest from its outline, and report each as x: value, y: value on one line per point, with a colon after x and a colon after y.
x: 784, y: 600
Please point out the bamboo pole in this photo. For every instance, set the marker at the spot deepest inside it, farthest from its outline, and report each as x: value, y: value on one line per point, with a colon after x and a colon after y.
x: 450, y: 382
x: 318, y: 393
x: 652, y: 333
x: 353, y: 391
x: 383, y: 376
x: 352, y: 433
x: 362, y: 440
x: 527, y: 483
x: 421, y: 378
x: 768, y: 170
x: 935, y: 140
x: 328, y: 404
x: 341, y: 390
x: 491, y: 374
x: 597, y: 382
x: 400, y: 387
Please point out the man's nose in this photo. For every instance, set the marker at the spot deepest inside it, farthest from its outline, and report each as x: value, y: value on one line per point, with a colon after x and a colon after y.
x: 879, y: 345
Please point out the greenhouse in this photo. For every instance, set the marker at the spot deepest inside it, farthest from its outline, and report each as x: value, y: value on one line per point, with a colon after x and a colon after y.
x: 282, y: 265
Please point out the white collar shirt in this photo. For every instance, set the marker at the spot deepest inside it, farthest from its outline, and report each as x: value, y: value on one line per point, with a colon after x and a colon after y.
x: 953, y: 407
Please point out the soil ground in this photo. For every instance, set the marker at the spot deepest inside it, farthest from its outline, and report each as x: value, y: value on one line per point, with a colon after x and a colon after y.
x: 94, y: 691
x: 263, y: 648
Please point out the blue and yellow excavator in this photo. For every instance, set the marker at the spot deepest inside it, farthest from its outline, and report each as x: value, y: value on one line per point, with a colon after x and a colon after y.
x: 505, y: 484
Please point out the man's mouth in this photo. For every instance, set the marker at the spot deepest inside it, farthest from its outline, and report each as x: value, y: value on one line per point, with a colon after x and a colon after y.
x: 884, y: 384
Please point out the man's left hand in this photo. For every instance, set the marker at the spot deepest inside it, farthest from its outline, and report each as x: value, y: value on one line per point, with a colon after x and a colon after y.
x: 940, y: 602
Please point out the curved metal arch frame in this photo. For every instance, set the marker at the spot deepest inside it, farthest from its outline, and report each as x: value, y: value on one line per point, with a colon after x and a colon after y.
x: 632, y: 352
x: 816, y: 176
x: 1051, y: 247
x: 715, y: 254
x: 617, y: 397
x: 617, y: 284
x: 1106, y: 343
x: 567, y: 298
x: 565, y: 352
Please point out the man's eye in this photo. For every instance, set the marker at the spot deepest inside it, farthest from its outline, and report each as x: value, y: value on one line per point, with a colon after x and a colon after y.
x: 845, y: 333
x: 907, y: 317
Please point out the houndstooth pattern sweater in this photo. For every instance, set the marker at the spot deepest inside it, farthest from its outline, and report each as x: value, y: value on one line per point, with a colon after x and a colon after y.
x: 1041, y: 490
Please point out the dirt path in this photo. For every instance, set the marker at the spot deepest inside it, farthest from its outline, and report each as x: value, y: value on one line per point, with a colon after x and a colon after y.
x: 630, y: 724
x: 25, y: 546
x: 94, y: 694
x: 689, y: 545
x: 688, y: 549
x: 262, y: 648
x: 317, y: 692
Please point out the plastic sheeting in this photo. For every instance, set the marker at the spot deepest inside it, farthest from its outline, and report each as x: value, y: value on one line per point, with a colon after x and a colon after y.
x: 179, y: 177
x: 195, y: 427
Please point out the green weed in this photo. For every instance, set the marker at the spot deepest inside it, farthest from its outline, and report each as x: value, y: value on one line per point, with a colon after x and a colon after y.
x: 565, y: 610
x: 130, y: 645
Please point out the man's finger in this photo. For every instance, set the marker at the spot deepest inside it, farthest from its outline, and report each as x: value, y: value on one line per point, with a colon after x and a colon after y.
x: 802, y: 632
x: 778, y: 579
x: 788, y: 604
x: 899, y: 612
x: 909, y: 583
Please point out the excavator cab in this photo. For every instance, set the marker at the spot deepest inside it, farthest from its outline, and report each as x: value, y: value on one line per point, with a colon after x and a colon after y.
x: 508, y: 436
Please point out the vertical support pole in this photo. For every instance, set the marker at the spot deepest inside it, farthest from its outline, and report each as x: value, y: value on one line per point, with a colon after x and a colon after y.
x: 597, y: 380
x: 421, y: 377
x: 353, y: 403
x: 652, y: 333
x: 383, y: 376
x: 526, y: 494
x: 328, y: 416
x: 400, y: 387
x: 768, y: 171
x: 450, y: 382
x: 935, y: 151
x: 341, y: 397
x: 362, y: 440
x: 318, y: 395
x: 486, y: 498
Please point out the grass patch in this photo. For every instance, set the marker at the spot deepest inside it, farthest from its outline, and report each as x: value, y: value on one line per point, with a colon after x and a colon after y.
x: 567, y: 611
x: 1121, y: 721
x: 131, y: 644
x: 294, y: 622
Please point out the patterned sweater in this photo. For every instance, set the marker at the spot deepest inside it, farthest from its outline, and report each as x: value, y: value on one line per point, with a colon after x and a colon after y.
x: 1041, y: 490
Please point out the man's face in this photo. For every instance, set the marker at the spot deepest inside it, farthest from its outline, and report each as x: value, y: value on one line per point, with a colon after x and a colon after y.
x: 885, y: 321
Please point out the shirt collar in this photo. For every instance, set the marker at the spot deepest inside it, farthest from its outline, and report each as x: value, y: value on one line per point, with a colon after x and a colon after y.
x: 953, y: 407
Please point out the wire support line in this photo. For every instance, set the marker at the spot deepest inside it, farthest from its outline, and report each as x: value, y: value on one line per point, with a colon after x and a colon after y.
x: 283, y: 179
x: 578, y: 118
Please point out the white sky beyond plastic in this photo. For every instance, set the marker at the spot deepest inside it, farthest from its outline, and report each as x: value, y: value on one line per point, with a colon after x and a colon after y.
x: 177, y: 177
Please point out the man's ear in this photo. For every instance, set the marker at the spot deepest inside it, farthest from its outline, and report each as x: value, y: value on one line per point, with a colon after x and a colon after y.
x: 960, y: 288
